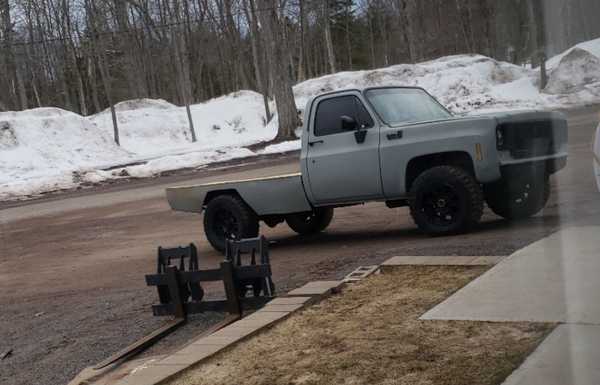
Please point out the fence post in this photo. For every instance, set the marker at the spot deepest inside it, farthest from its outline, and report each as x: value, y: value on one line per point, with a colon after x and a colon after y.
x: 233, y: 300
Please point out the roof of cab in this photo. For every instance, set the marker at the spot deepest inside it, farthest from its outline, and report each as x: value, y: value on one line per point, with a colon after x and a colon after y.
x: 361, y: 90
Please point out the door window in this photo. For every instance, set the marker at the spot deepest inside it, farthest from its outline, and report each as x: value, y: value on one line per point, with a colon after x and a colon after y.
x: 329, y: 112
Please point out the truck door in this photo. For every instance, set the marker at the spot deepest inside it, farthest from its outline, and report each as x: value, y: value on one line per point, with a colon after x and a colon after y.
x: 342, y: 163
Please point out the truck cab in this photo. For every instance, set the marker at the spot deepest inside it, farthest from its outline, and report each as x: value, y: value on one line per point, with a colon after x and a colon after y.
x: 359, y: 158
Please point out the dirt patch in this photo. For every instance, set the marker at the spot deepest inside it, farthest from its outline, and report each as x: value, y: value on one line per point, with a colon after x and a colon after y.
x: 371, y: 335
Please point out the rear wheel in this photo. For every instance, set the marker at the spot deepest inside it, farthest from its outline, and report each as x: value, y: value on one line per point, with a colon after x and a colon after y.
x: 446, y: 200
x: 228, y: 217
x: 518, y: 199
x: 310, y: 222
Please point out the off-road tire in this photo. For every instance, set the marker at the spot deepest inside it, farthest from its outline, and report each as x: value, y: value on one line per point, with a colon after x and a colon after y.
x: 508, y: 200
x: 311, y: 222
x: 228, y: 210
x: 464, y: 200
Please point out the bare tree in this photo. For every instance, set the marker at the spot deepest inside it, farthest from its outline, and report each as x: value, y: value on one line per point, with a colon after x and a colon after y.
x: 539, y: 22
x: 14, y: 81
x: 257, y: 56
x: 270, y: 18
x: 328, y: 39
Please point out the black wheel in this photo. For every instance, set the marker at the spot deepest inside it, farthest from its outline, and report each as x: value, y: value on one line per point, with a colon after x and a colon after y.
x: 310, y: 222
x: 446, y: 200
x: 518, y: 199
x: 228, y: 217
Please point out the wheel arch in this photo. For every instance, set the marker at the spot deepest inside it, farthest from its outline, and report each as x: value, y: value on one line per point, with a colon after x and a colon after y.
x: 417, y: 165
x: 232, y: 192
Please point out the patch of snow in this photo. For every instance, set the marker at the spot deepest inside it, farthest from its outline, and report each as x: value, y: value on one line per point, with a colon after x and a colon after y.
x: 189, y: 160
x: 290, y: 145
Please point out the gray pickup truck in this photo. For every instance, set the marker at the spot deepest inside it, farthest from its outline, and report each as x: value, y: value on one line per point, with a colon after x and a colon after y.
x: 400, y: 146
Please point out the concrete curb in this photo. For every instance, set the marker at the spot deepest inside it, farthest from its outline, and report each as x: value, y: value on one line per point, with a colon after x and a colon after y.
x: 396, y: 262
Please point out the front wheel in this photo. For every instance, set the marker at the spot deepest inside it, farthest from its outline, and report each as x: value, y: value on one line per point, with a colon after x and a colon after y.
x: 517, y: 199
x: 310, y: 222
x: 228, y: 217
x: 446, y: 200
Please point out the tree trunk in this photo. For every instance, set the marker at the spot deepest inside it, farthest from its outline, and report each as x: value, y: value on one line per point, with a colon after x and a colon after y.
x: 301, y: 76
x: 279, y: 68
x: 104, y: 71
x: 539, y: 21
x: 328, y: 40
x: 371, y: 39
x: 12, y: 74
x: 256, y: 58
x: 464, y: 26
x: 92, y: 75
x: 185, y: 81
x: 404, y: 7
x: 347, y: 35
x: 21, y: 87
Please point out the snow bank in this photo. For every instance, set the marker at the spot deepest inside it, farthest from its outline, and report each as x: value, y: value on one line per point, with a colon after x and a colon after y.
x: 475, y: 83
x: 38, y: 146
x: 48, y: 148
x: 155, y: 128
x: 592, y: 46
x: 576, y: 70
x: 462, y: 82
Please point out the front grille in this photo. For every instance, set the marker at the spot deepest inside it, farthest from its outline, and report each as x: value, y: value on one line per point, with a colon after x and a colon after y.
x: 532, y: 138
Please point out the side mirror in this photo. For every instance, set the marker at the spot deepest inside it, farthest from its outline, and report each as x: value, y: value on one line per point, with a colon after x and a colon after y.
x: 348, y: 123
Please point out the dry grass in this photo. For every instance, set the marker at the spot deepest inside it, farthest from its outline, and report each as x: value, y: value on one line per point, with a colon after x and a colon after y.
x: 370, y: 334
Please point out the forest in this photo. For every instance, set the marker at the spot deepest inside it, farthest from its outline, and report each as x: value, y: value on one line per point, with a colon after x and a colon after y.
x: 86, y: 55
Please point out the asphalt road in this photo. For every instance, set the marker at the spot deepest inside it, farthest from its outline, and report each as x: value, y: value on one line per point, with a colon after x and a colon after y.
x: 72, y: 267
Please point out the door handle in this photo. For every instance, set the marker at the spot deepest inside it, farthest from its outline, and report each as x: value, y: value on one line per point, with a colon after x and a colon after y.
x: 315, y: 142
x: 396, y: 135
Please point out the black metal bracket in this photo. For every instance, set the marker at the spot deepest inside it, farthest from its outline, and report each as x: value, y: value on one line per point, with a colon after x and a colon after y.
x: 180, y: 292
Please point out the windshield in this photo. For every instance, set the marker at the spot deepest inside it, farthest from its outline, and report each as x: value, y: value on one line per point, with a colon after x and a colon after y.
x: 397, y: 106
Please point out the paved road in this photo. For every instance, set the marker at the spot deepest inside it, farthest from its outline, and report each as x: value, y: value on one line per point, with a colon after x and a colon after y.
x: 71, y: 270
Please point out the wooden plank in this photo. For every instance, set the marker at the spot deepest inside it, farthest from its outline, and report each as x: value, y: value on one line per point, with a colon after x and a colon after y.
x: 142, y: 344
x: 190, y: 307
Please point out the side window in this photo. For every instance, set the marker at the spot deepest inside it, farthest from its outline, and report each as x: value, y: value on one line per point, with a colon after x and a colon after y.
x: 329, y: 111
